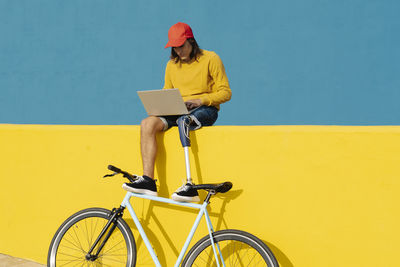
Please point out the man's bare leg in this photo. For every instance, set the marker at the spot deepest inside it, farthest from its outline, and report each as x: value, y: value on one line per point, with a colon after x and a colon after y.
x: 149, y: 127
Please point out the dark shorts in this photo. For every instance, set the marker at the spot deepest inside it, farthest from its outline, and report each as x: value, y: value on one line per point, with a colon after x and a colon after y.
x: 202, y: 116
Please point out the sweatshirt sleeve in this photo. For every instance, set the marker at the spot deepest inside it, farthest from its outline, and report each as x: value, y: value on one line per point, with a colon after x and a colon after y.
x: 221, y: 92
x: 167, y: 80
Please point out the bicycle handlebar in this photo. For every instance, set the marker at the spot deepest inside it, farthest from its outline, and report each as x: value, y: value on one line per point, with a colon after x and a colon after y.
x: 116, y: 170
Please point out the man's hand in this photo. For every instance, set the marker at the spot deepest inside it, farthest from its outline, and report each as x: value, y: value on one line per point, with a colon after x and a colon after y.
x: 193, y: 103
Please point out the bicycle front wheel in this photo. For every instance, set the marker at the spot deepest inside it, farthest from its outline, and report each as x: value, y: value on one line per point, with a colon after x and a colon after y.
x: 237, y: 248
x: 77, y: 234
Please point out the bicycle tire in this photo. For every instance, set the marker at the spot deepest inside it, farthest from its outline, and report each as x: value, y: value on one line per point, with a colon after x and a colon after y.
x: 238, y: 248
x: 77, y: 234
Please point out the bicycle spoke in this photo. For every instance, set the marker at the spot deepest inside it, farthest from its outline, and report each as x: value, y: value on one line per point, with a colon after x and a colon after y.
x: 87, y: 234
x: 113, y: 260
x: 78, y: 239
x: 70, y: 262
x: 73, y: 244
x: 78, y: 261
x: 69, y: 255
x: 111, y: 249
x: 64, y: 246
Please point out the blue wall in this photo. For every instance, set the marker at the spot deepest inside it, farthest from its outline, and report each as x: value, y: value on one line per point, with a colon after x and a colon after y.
x: 288, y: 62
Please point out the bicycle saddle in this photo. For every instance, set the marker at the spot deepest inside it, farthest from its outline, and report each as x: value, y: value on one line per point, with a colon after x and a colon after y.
x: 219, y: 188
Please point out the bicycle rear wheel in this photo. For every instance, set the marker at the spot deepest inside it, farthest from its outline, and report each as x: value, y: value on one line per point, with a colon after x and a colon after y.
x: 238, y: 248
x: 76, y: 235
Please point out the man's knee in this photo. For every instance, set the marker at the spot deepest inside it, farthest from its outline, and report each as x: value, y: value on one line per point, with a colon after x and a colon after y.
x: 151, y: 125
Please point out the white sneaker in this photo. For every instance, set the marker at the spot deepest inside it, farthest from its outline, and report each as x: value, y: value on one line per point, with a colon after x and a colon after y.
x: 186, y: 193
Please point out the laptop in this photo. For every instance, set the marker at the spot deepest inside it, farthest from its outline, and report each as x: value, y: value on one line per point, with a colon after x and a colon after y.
x: 163, y: 102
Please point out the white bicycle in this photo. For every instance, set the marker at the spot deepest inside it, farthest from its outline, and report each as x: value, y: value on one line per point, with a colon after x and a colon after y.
x: 100, y: 237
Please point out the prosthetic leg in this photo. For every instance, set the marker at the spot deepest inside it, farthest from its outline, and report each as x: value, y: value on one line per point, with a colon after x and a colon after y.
x: 187, y: 192
x: 183, y: 126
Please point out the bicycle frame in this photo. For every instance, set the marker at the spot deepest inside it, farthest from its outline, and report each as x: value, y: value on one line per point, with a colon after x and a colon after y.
x: 202, y: 211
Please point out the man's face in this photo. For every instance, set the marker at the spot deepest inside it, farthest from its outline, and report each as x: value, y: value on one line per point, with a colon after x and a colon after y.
x: 184, y: 51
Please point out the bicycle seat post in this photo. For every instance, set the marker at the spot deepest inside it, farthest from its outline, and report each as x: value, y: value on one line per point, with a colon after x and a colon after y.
x: 183, y: 126
x: 209, y: 194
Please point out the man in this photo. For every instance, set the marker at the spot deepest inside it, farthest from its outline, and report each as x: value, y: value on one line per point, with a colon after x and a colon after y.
x: 202, y: 81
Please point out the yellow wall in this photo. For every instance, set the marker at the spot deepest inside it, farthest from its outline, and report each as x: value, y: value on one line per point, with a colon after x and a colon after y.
x: 318, y: 195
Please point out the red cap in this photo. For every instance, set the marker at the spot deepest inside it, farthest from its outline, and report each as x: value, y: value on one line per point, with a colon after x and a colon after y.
x: 178, y: 34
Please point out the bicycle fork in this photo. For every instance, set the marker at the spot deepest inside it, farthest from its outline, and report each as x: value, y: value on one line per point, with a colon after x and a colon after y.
x: 109, y: 229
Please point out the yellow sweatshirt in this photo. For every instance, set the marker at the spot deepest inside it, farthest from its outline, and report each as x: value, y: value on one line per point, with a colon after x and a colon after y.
x: 203, y: 79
